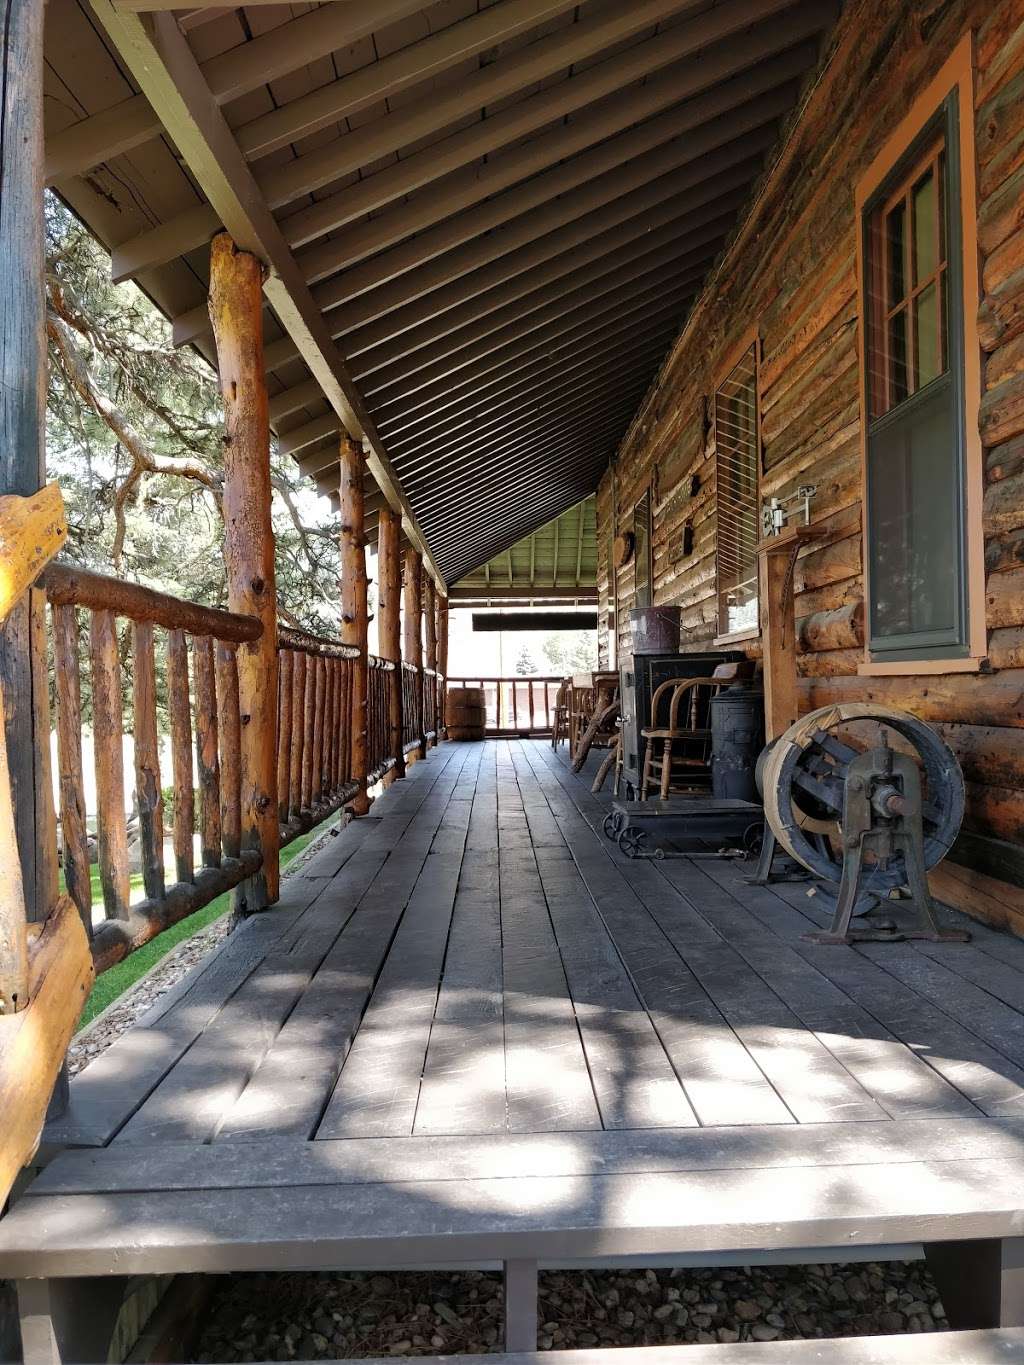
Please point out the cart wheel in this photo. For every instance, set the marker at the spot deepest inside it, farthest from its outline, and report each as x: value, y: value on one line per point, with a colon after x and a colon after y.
x: 632, y: 840
x: 609, y: 826
x: 753, y: 837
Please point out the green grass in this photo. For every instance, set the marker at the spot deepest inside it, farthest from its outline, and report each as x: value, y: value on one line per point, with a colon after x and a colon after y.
x: 117, y: 980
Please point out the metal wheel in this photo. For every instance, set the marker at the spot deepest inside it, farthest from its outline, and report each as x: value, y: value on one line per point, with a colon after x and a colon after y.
x: 613, y: 824
x: 804, y: 775
x: 632, y: 840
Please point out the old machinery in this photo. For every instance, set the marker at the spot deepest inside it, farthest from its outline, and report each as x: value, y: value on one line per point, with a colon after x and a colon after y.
x: 867, y: 799
x: 776, y: 513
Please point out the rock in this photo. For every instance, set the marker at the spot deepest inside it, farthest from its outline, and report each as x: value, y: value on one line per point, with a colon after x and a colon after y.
x: 746, y: 1310
x: 762, y: 1332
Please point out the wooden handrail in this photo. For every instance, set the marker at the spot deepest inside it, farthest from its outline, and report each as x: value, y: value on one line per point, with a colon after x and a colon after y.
x: 67, y: 585
x: 289, y: 638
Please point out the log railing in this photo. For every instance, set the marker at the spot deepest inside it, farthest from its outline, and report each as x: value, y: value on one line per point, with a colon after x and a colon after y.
x: 412, y: 707
x: 429, y: 704
x: 516, y: 706
x: 199, y: 644
x: 382, y: 678
x: 314, y: 731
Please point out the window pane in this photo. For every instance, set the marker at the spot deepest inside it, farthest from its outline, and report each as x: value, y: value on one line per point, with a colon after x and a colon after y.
x: 895, y: 236
x: 925, y: 228
x: 927, y: 365
x: 898, y: 357
x: 914, y: 530
x: 738, y: 511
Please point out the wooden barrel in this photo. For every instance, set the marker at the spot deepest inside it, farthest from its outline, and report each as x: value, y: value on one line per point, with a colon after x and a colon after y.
x: 465, y: 713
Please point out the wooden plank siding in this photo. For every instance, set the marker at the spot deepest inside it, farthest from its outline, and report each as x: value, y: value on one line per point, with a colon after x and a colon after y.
x: 791, y: 273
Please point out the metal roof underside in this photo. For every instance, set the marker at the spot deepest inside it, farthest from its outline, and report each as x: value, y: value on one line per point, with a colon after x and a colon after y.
x: 483, y: 222
x: 558, y: 560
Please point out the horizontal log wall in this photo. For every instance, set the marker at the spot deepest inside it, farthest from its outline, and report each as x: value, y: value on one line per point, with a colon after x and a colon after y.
x: 792, y: 274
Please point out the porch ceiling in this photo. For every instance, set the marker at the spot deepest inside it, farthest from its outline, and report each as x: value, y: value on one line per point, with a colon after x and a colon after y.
x: 558, y: 560
x: 483, y: 223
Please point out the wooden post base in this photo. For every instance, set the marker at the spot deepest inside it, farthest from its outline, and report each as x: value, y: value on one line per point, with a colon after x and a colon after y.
x: 520, y: 1305
x: 981, y: 1282
x: 69, y: 1322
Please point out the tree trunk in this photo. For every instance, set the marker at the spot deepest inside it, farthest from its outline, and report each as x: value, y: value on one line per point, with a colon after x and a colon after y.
x: 236, y: 310
x: 354, y: 618
x: 389, y: 627
x: 23, y: 669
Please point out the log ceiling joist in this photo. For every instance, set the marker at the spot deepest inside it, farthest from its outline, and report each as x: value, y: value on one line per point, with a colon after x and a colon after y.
x: 481, y: 230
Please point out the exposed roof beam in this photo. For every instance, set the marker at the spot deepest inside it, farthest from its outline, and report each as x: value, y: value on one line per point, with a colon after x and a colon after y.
x: 690, y: 258
x: 162, y: 63
x: 480, y: 592
x: 568, y: 331
x: 659, y: 308
x: 736, y: 138
x: 291, y: 400
x: 423, y: 464
x: 262, y: 59
x: 536, y: 111
x: 541, y: 426
x: 685, y: 198
x: 446, y: 105
x: 579, y: 544
x: 394, y: 73
x: 427, y: 209
x: 510, y: 405
x: 627, y: 191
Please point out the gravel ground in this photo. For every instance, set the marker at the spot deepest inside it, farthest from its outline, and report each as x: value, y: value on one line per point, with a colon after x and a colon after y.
x: 131, y: 1006
x: 327, y: 1316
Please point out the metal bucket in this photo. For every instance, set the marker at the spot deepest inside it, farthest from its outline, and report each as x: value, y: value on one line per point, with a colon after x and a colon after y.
x: 655, y: 630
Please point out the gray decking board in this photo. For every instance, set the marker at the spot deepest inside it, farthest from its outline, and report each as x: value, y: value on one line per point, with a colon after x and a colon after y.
x: 422, y: 1222
x: 498, y: 1027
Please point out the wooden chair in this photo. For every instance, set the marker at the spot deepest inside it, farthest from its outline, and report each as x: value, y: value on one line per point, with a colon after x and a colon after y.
x: 560, y: 713
x: 678, y: 755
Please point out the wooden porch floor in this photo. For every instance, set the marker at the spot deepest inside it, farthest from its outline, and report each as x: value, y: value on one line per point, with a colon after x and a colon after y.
x: 476, y: 958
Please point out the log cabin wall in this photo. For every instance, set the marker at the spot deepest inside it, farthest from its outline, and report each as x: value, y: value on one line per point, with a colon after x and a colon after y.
x: 791, y: 273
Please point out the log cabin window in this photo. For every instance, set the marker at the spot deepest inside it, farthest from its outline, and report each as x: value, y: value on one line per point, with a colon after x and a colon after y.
x: 914, y: 392
x: 642, y: 537
x: 737, y: 466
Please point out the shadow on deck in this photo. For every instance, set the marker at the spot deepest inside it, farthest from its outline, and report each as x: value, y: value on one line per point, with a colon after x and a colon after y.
x: 473, y: 1030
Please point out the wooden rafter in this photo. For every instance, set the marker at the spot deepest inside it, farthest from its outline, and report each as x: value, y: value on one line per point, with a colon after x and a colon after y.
x: 169, y: 75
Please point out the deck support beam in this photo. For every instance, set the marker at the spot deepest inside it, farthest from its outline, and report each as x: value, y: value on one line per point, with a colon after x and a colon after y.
x: 413, y: 610
x: 442, y: 665
x: 354, y: 614
x: 236, y: 311
x: 520, y: 1305
x: 389, y: 626
x: 23, y: 666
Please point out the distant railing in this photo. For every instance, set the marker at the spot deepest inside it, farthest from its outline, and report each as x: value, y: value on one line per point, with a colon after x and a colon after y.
x: 429, y: 704
x: 516, y: 706
x: 314, y: 696
x: 206, y: 705
x: 381, y: 680
x: 412, y: 707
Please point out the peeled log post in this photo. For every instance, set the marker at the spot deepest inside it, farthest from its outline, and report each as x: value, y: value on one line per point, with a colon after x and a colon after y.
x: 229, y: 726
x: 112, y: 829
x: 285, y: 665
x: 442, y: 666
x: 74, y: 839
x: 414, y: 636
x: 389, y: 630
x: 24, y: 681
x: 207, y: 751
x: 147, y: 760
x: 430, y: 625
x: 236, y: 311
x: 298, y: 734
x: 181, y: 753
x: 354, y: 616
